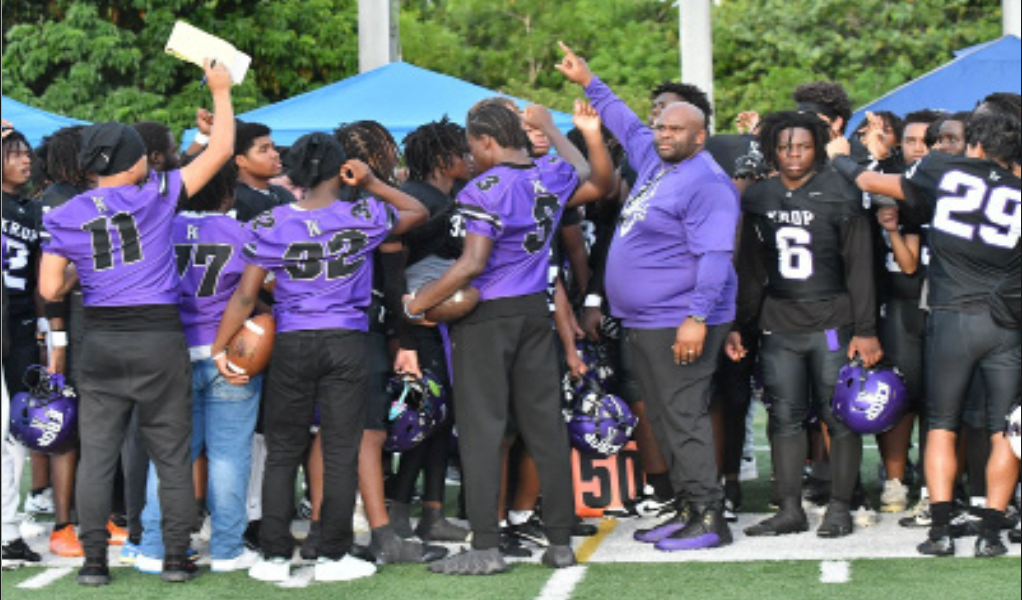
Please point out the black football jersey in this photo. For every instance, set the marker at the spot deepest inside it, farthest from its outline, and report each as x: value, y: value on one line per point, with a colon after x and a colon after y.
x: 21, y: 227
x: 443, y: 234
x: 973, y: 208
x: 801, y: 231
x: 898, y: 284
x: 249, y: 202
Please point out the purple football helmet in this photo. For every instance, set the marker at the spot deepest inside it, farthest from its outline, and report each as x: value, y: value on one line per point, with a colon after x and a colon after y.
x: 420, y: 406
x: 45, y: 418
x: 869, y: 401
x: 600, y: 424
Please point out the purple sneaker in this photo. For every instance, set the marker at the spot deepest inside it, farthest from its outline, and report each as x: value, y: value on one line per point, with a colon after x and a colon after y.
x: 707, y: 529
x: 666, y: 528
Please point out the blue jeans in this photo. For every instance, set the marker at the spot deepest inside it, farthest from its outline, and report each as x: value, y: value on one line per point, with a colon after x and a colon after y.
x: 223, y: 422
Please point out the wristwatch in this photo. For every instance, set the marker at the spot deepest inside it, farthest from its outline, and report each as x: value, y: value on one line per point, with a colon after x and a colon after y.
x: 698, y: 319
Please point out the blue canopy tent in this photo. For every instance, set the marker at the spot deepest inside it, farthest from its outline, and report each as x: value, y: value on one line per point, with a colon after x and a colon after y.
x: 34, y: 123
x: 399, y: 95
x: 976, y: 73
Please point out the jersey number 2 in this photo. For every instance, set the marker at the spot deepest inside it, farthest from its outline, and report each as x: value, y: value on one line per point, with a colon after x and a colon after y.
x: 1000, y: 205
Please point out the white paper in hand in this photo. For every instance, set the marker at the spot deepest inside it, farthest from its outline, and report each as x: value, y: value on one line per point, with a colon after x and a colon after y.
x: 194, y: 45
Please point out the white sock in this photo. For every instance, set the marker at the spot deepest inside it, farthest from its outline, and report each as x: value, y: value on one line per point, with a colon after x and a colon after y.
x: 519, y: 517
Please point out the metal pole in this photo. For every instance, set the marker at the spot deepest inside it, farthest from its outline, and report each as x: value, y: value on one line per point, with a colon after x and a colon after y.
x: 377, y: 33
x: 697, y: 44
x: 1013, y: 17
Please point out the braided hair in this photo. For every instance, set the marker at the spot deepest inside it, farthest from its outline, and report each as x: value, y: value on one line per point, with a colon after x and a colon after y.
x: 433, y: 146
x: 63, y: 164
x: 775, y: 123
x: 492, y: 117
x: 371, y: 143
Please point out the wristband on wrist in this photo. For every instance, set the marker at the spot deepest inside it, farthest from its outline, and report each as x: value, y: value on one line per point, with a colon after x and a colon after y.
x: 201, y: 139
x: 219, y: 355
x: 412, y: 317
x: 847, y: 167
x: 594, y: 301
x: 58, y: 339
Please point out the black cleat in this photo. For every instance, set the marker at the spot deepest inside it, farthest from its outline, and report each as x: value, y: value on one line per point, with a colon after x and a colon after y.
x: 967, y: 524
x: 559, y: 557
x: 17, y: 554
x: 938, y: 543
x: 95, y: 573
x: 583, y: 529
x: 837, y: 523
x: 990, y: 545
x: 792, y: 519
x: 1015, y: 535
x: 178, y: 569
x: 310, y: 545
x: 471, y: 563
x: 511, y: 547
x: 531, y: 532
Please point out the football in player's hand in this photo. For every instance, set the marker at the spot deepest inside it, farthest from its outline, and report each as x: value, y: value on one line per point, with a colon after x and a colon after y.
x: 454, y: 308
x: 248, y: 352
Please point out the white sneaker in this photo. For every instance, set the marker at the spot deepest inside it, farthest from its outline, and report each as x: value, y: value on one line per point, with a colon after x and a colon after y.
x: 148, y: 564
x: 272, y: 570
x: 348, y: 568
x: 246, y: 560
x: 41, y: 503
x: 894, y: 498
x: 29, y: 529
x: 864, y: 516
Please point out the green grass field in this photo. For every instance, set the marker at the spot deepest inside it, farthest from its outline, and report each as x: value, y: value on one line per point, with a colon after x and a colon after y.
x: 895, y: 579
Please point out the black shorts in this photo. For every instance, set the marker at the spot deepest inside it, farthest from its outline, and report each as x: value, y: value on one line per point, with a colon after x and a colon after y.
x: 799, y: 374
x: 959, y: 345
x: 902, y: 329
x: 380, y: 369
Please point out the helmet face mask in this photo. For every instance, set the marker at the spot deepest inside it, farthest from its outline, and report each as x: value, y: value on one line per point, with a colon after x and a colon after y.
x: 869, y: 401
x: 419, y: 408
x: 45, y: 418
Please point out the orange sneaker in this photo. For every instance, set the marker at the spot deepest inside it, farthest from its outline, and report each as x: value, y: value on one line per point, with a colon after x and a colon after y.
x: 117, y: 535
x: 65, y: 543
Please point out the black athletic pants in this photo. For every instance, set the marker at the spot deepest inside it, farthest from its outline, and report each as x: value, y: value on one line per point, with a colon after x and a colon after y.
x: 504, y: 356
x: 151, y: 373
x: 677, y: 404
x: 328, y: 368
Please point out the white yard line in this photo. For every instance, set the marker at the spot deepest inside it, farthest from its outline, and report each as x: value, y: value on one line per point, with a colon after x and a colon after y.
x: 45, y: 578
x: 562, y: 585
x: 835, y: 571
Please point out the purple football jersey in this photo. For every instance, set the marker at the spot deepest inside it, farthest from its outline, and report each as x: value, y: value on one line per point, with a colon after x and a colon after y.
x: 119, y: 239
x: 676, y: 216
x: 518, y: 207
x: 322, y: 261
x: 209, y: 250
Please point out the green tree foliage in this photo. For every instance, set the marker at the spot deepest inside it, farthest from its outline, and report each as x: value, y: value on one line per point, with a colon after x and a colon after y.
x: 104, y: 59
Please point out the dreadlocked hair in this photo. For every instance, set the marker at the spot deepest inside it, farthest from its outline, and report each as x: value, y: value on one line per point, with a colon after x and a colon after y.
x: 890, y: 119
x: 212, y: 196
x: 492, y: 117
x: 371, y: 143
x: 62, y: 162
x: 1005, y: 103
x: 687, y: 92
x: 828, y: 94
x: 775, y: 123
x: 433, y: 146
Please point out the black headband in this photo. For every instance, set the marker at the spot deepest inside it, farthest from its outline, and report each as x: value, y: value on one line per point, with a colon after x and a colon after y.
x: 820, y: 109
x: 110, y: 148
